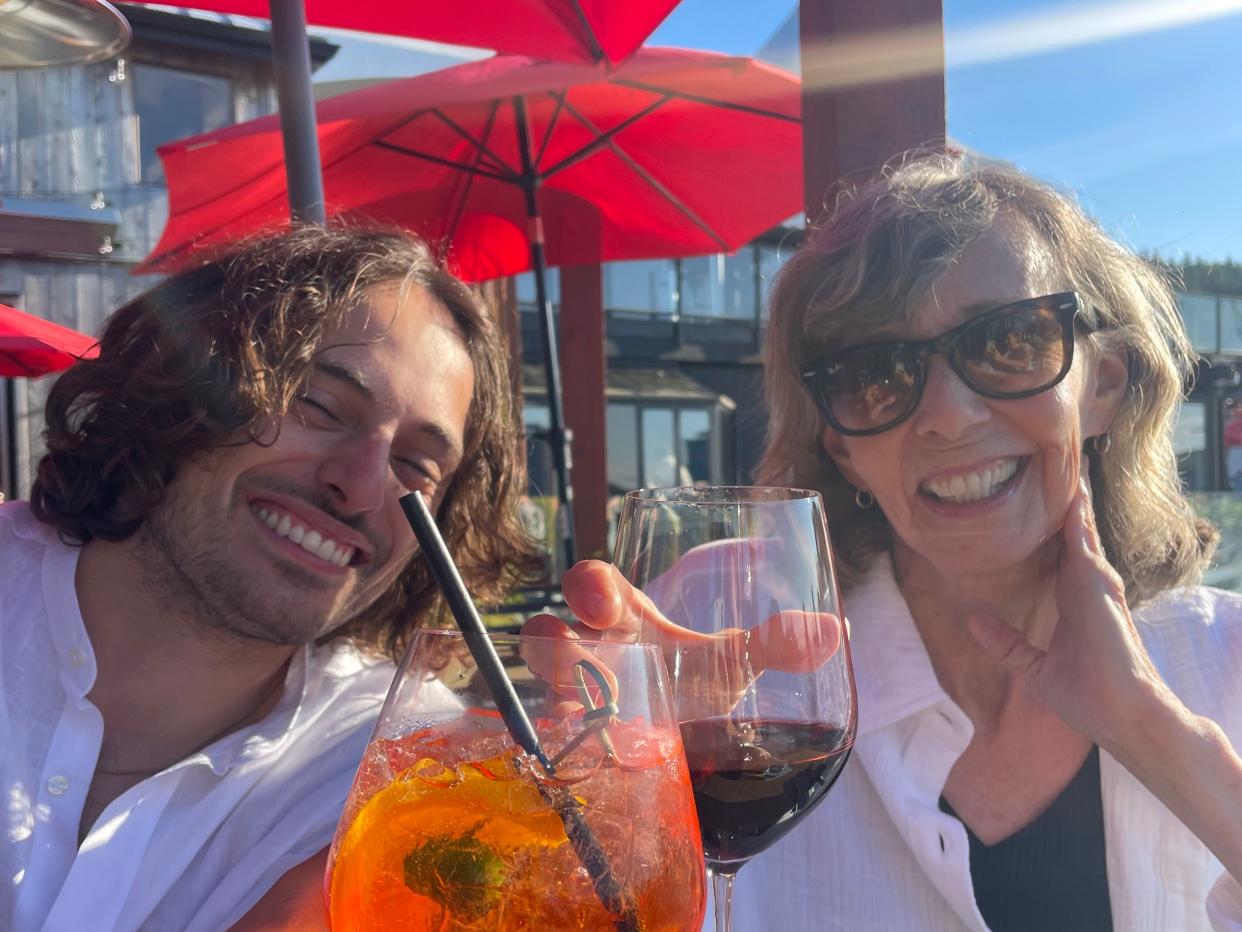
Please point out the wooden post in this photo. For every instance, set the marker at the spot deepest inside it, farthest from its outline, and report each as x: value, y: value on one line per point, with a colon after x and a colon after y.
x: 872, y: 87
x: 585, y: 371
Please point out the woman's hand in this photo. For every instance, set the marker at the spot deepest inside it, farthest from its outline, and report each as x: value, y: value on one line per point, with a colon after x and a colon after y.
x: 1095, y: 673
x: 1098, y: 677
x: 715, y: 669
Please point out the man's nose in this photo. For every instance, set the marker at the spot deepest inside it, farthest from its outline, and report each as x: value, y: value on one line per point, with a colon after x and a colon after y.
x: 949, y: 407
x: 358, y: 471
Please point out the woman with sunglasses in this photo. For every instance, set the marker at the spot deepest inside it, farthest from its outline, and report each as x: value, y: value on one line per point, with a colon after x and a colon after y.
x: 983, y: 386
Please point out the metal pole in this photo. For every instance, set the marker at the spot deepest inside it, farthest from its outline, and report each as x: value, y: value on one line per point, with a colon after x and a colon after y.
x: 8, y: 468
x: 291, y: 63
x: 558, y: 436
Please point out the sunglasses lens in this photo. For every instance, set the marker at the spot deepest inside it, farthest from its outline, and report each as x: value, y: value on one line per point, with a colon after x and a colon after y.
x: 867, y: 389
x: 1015, y: 352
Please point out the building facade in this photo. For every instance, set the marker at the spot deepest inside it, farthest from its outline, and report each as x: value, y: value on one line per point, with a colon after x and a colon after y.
x: 82, y: 196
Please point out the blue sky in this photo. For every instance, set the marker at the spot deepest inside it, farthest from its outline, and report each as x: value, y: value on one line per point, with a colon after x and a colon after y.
x: 1114, y: 100
x: 1145, y: 127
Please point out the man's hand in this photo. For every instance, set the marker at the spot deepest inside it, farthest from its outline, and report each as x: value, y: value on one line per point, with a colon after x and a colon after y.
x: 294, y: 904
x: 713, y: 670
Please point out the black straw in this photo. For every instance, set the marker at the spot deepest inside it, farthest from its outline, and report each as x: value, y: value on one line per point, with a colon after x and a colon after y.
x: 474, y: 633
x: 472, y: 628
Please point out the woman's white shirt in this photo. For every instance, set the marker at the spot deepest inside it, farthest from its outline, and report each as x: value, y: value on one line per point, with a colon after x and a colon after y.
x: 878, y: 854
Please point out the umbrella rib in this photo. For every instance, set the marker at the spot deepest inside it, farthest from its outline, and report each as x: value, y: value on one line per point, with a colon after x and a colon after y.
x: 601, y: 140
x: 464, y: 191
x: 447, y: 163
x: 708, y: 101
x: 547, y: 136
x: 597, y: 50
x: 498, y: 164
x: 651, y: 180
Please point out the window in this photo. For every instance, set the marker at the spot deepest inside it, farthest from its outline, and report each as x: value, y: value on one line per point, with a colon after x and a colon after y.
x: 719, y: 286
x: 694, y: 435
x: 1190, y: 445
x: 659, y: 452
x: 524, y: 288
x: 771, y: 258
x: 175, y: 104
x: 1230, y: 325
x: 1199, y: 315
x: 622, y: 427
x: 652, y: 445
x: 648, y: 286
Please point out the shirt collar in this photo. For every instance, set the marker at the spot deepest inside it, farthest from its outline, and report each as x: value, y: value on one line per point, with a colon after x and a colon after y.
x: 266, y: 736
x: 894, y: 675
x: 64, y: 615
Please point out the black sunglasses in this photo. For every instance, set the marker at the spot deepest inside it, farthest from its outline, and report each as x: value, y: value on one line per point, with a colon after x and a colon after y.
x: 1014, y: 351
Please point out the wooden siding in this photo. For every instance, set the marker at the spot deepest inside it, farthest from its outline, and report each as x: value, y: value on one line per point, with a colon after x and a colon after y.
x: 65, y: 134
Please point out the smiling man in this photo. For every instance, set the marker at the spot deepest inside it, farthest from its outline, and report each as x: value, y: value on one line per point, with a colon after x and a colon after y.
x: 203, y: 597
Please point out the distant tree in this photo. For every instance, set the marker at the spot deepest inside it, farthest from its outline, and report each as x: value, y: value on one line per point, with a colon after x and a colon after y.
x: 1195, y: 274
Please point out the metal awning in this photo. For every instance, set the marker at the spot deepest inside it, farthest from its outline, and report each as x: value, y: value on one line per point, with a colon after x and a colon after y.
x: 50, y: 228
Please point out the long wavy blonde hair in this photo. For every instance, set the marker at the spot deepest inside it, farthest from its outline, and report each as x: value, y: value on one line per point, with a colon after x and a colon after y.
x: 871, y: 263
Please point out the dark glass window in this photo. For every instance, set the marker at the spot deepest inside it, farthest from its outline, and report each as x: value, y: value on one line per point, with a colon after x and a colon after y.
x: 174, y: 104
x: 648, y: 286
x: 524, y: 288
x: 771, y: 258
x: 1190, y: 444
x: 719, y: 286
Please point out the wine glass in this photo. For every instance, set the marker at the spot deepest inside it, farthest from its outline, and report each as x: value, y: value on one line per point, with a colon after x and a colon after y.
x: 450, y: 826
x: 765, y: 695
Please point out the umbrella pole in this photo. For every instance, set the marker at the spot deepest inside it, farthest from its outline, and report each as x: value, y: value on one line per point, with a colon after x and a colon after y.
x: 8, y: 481
x: 558, y: 435
x: 291, y: 64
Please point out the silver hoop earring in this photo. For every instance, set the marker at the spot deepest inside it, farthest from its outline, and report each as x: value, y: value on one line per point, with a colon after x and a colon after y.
x: 864, y: 499
x: 1102, y: 443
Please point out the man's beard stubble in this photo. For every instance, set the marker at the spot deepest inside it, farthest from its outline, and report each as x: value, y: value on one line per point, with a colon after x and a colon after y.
x: 183, y: 560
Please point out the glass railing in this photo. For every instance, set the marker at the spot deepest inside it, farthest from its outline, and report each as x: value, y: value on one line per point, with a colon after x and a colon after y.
x: 1224, y: 509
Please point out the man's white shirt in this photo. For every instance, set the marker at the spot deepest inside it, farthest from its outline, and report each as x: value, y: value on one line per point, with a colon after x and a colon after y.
x: 191, y: 848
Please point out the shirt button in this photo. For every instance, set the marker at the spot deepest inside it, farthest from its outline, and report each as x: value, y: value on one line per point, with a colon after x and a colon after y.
x: 76, y: 658
x: 57, y: 785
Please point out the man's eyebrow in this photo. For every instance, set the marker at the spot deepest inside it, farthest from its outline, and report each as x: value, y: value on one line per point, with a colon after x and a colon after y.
x: 449, y: 447
x: 347, y: 374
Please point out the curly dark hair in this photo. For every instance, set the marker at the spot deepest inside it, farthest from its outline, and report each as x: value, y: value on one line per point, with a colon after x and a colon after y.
x: 220, y: 350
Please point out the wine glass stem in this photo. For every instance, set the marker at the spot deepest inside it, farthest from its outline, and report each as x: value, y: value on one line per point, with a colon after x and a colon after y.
x: 722, y: 898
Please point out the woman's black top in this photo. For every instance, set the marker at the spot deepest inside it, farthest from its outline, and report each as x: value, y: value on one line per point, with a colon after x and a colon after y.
x: 1052, y: 873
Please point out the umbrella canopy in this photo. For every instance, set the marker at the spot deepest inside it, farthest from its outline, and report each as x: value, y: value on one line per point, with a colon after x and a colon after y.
x: 675, y: 153
x: 555, y: 30
x: 31, y: 346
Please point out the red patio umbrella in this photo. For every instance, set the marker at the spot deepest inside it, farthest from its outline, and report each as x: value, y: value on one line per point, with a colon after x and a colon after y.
x: 555, y: 30
x: 31, y: 346
x: 675, y: 153
x: 560, y: 30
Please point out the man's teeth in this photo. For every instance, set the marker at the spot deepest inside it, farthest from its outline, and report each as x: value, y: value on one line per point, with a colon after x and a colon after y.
x: 972, y: 486
x: 323, y: 547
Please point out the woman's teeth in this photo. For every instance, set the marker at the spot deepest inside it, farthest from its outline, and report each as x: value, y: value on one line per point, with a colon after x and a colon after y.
x: 972, y: 486
x: 311, y: 541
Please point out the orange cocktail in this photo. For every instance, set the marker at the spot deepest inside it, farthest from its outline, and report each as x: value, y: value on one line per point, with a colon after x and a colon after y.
x: 450, y: 826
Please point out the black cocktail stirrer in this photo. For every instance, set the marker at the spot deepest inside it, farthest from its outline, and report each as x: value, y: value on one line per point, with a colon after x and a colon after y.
x: 474, y: 633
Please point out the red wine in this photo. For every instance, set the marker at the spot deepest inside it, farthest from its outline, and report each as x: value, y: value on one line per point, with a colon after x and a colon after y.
x: 753, y: 781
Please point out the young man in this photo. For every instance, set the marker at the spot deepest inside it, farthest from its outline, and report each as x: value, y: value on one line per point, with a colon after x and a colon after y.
x: 201, y: 599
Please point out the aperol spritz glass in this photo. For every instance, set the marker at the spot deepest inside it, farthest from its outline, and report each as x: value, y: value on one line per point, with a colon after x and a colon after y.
x: 450, y: 826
